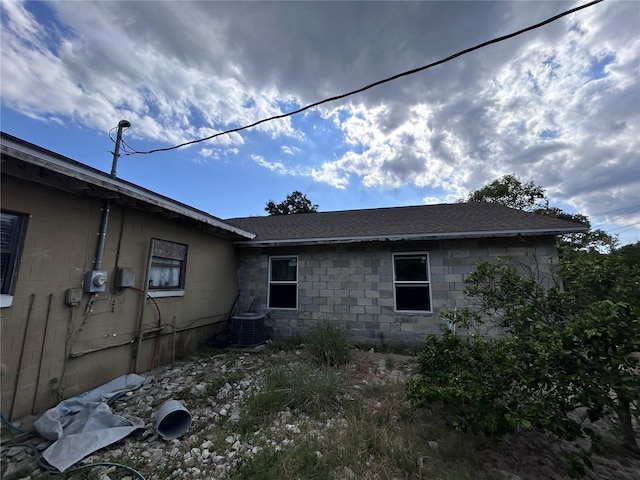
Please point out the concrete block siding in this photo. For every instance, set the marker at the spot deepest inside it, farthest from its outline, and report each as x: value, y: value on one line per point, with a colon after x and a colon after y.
x: 352, y: 284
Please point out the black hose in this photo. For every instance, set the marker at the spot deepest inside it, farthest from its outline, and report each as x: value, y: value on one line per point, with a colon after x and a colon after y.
x: 12, y: 426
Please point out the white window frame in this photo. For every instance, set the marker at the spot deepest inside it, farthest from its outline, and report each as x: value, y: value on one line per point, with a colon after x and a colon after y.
x: 171, y: 251
x: 426, y: 282
x: 282, y: 282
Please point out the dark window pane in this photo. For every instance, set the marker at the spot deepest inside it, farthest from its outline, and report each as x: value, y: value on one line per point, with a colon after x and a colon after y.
x: 11, y: 230
x: 5, y: 262
x: 413, y: 298
x: 282, y: 296
x: 8, y: 227
x: 284, y: 269
x: 411, y: 268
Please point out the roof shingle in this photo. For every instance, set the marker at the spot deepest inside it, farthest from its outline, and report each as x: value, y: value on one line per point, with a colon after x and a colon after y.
x: 457, y: 220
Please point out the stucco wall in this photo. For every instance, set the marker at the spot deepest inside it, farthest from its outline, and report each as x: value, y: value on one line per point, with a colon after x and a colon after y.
x: 353, y: 284
x: 50, y: 348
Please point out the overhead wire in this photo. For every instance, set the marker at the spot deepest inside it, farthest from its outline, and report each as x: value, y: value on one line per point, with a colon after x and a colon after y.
x: 372, y: 85
x: 124, y: 146
x: 618, y: 217
x: 624, y: 228
x: 606, y: 212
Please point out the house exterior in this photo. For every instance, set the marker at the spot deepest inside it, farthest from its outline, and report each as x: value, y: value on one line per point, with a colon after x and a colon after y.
x: 167, y: 279
x: 101, y: 277
x: 383, y: 274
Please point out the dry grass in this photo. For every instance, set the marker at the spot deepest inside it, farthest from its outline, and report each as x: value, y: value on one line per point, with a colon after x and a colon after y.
x: 378, y: 436
x: 354, y: 423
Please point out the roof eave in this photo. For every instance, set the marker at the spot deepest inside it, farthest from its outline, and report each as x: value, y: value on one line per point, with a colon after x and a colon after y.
x: 42, y: 158
x: 410, y: 237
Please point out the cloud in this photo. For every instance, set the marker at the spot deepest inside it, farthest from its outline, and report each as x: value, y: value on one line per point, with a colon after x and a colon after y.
x: 290, y: 150
x: 276, y: 167
x: 145, y: 71
x: 558, y: 105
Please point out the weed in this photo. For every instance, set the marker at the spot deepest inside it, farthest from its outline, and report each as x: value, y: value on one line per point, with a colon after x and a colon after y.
x: 390, y: 348
x: 56, y: 389
x: 329, y: 344
x: 214, y: 387
x: 373, y: 390
x: 264, y: 466
x: 183, y: 394
x: 291, y: 343
x: 389, y: 362
x: 300, y: 461
x: 298, y: 387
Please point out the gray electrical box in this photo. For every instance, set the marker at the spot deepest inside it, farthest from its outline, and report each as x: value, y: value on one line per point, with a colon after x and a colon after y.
x: 73, y: 296
x: 125, y: 278
x: 95, y: 281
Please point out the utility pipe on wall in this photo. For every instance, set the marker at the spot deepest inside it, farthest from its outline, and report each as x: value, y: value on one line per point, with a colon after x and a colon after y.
x: 102, y: 235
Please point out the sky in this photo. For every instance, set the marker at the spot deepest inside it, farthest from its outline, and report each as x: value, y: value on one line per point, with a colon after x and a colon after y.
x: 558, y: 106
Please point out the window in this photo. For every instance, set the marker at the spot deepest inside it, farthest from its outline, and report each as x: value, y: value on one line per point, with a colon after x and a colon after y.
x: 411, y: 282
x: 165, y: 273
x: 283, y: 282
x: 12, y: 229
x: 167, y: 268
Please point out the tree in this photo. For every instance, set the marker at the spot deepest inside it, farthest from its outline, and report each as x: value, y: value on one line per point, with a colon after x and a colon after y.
x: 296, y: 202
x: 567, y: 348
x: 564, y: 351
x: 591, y: 240
x: 510, y: 192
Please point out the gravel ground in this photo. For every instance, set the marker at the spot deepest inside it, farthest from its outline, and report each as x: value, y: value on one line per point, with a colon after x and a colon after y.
x: 213, y: 387
x: 210, y: 448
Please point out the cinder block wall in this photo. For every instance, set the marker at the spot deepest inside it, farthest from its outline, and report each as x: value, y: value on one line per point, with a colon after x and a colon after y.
x: 352, y: 285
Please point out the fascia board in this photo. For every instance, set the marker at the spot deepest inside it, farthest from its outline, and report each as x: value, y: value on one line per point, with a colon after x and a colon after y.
x: 412, y: 237
x: 73, y: 169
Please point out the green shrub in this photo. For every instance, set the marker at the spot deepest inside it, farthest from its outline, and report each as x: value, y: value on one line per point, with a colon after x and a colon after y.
x: 329, y: 344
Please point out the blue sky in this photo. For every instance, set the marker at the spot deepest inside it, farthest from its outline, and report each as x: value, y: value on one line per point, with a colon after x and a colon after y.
x: 559, y: 106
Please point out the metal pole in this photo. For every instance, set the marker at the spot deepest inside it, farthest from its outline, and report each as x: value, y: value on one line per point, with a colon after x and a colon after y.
x: 116, y: 151
x: 43, y: 346
x: 102, y: 234
x: 24, y: 341
x: 143, y: 306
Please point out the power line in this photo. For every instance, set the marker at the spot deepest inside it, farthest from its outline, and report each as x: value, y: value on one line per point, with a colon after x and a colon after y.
x: 607, y: 212
x: 624, y: 228
x: 631, y: 226
x: 375, y: 84
x: 617, y: 217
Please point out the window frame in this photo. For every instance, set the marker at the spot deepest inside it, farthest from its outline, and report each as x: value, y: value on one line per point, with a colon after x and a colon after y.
x: 282, y: 282
x: 10, y: 275
x: 409, y: 283
x: 173, y: 251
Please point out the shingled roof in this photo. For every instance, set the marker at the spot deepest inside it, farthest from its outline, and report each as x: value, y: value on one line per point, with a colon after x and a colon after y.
x: 424, y: 222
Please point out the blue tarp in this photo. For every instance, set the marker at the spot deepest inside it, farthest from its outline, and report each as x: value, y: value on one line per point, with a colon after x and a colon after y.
x: 83, y: 424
